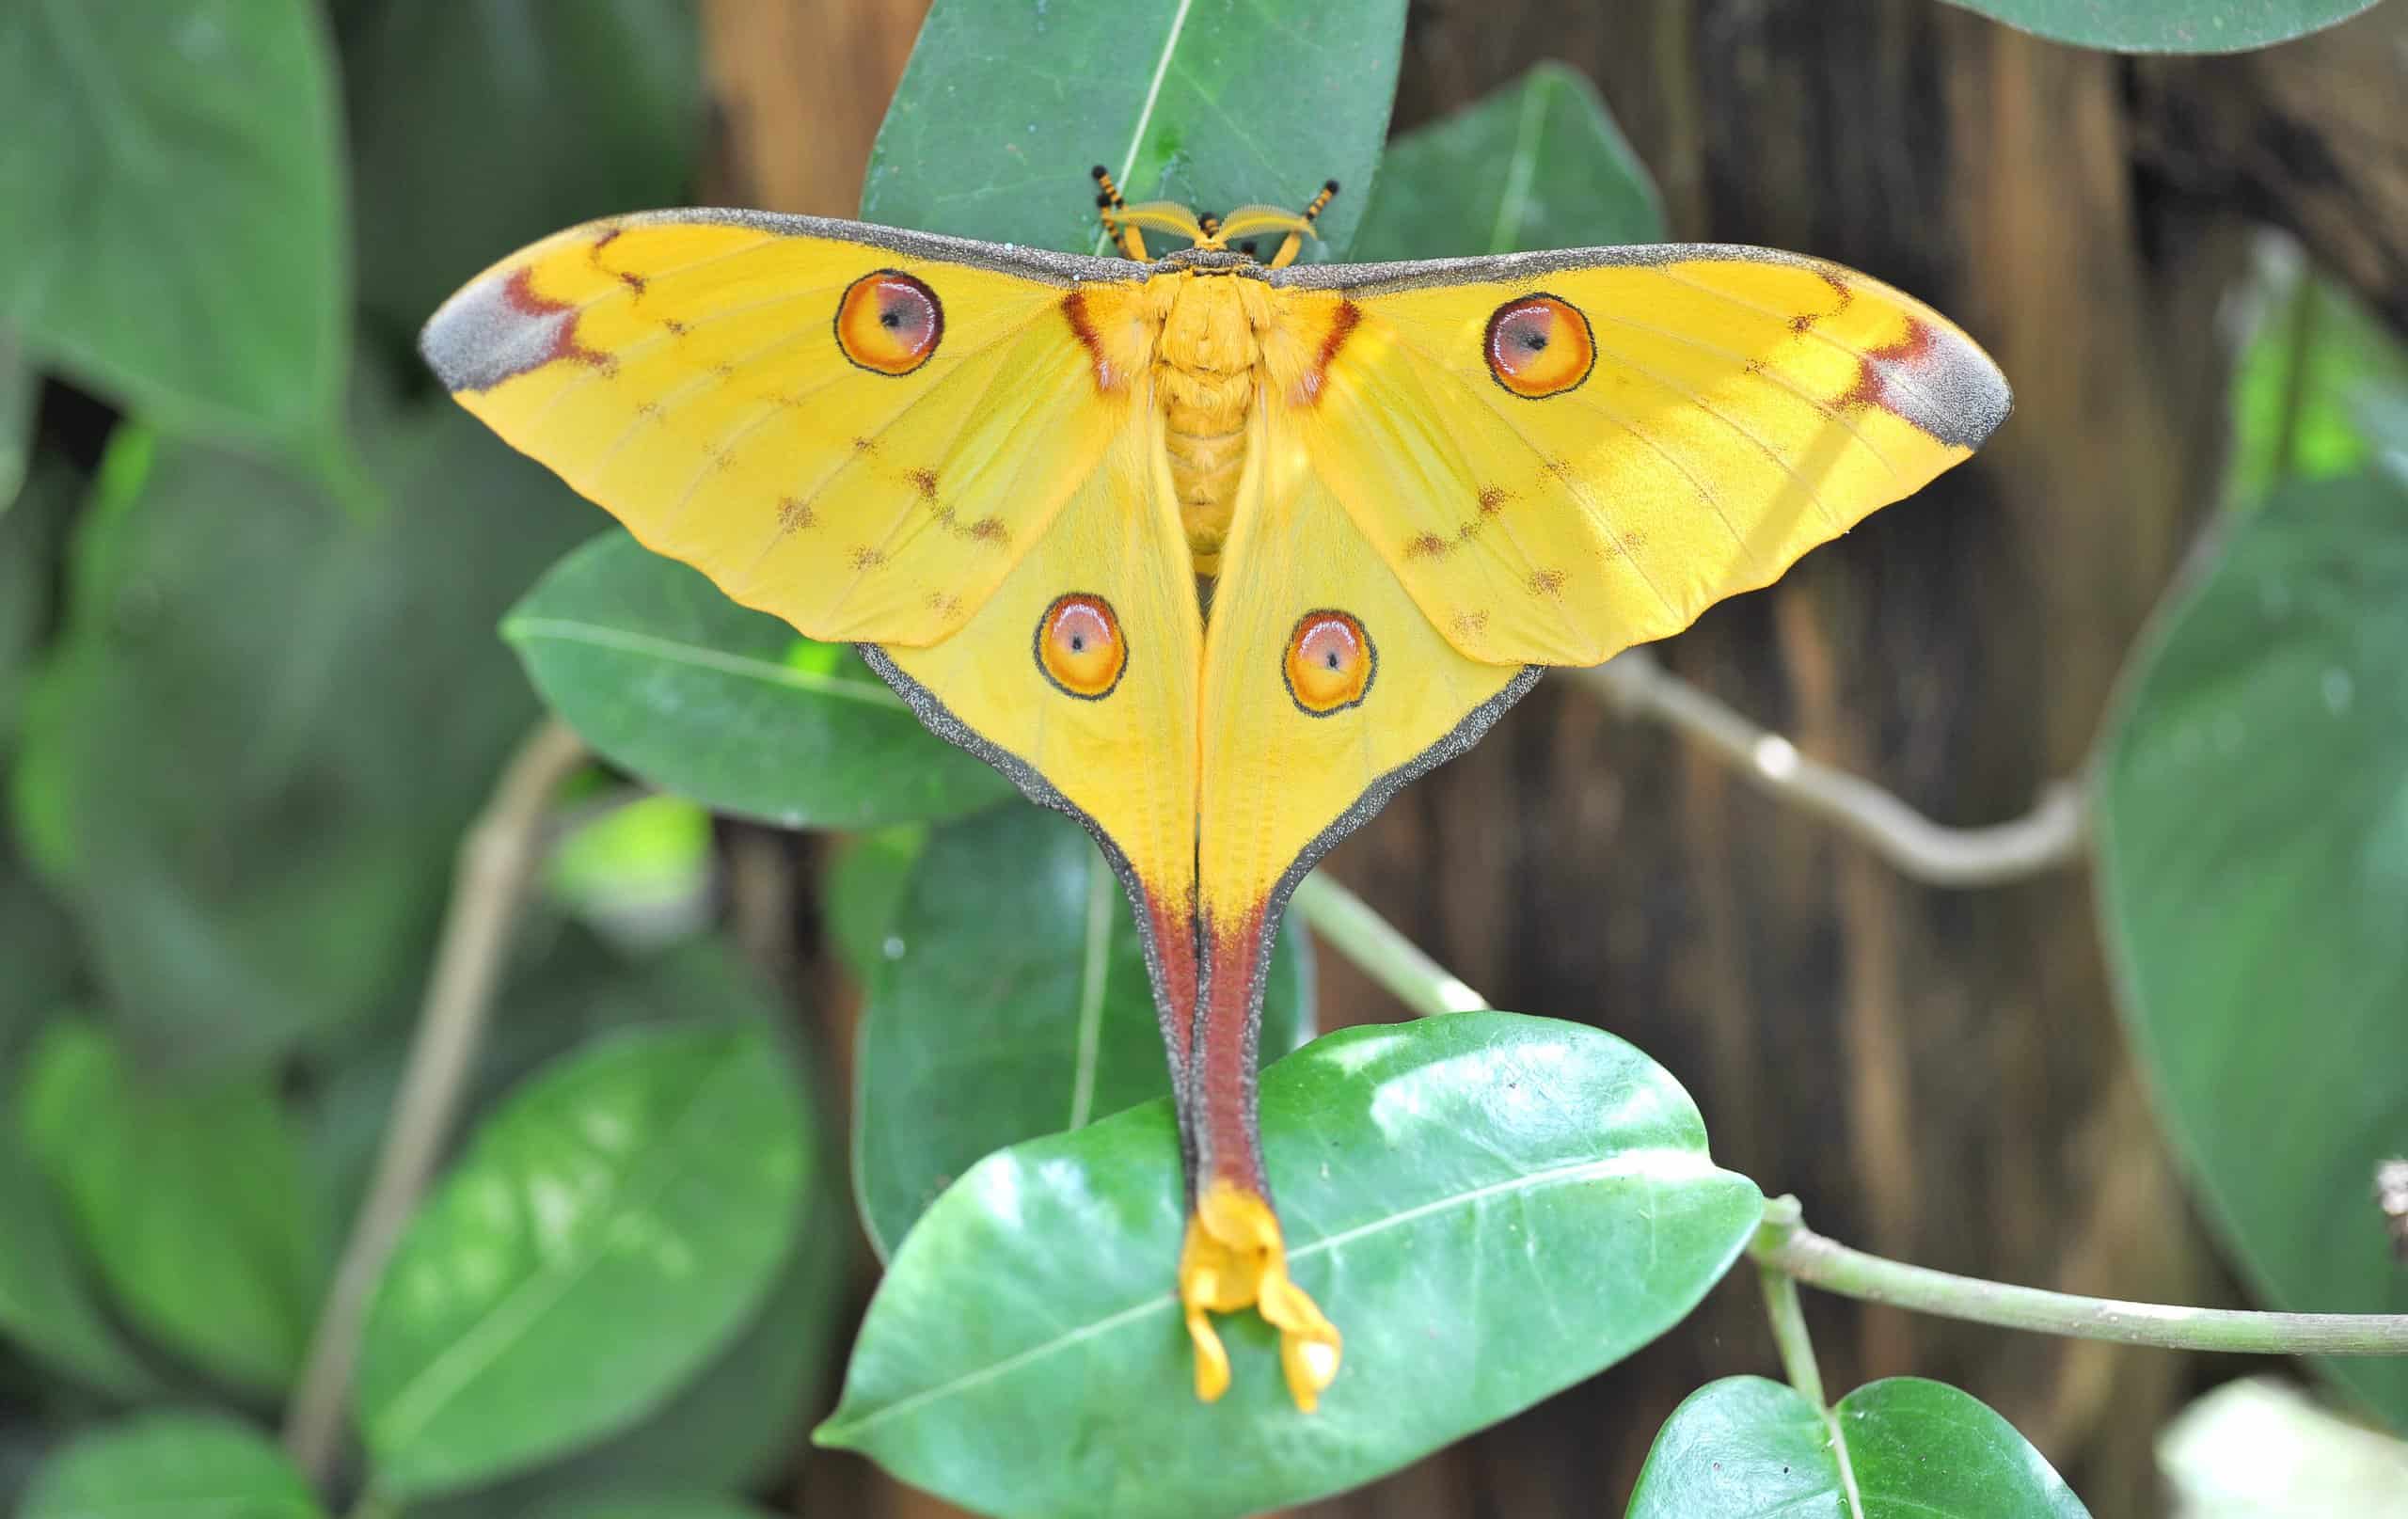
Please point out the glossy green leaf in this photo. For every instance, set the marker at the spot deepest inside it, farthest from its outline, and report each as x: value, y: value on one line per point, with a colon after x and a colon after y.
x: 479, y: 126
x: 731, y: 707
x: 1743, y: 1447
x: 567, y: 989
x: 188, y: 1199
x: 647, y: 1188
x: 2169, y: 26
x: 1490, y: 1207
x: 190, y: 1465
x: 733, y: 1427
x: 267, y: 720
x: 45, y: 1305
x: 1538, y: 164
x: 1007, y: 103
x: 862, y: 890
x: 171, y: 207
x: 2251, y: 841
x: 1012, y: 1001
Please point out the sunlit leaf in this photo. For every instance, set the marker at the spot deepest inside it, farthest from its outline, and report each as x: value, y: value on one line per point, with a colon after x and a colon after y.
x: 640, y: 871
x: 2252, y: 852
x: 1008, y: 102
x: 171, y: 205
x: 1899, y: 1449
x: 1490, y: 1207
x: 647, y: 1189
x: 2261, y: 1448
x: 192, y: 1465
x: 187, y: 1197
x: 1011, y: 1000
x: 733, y: 1425
x: 2300, y: 386
x: 730, y: 707
x: 1536, y: 165
x: 2169, y: 26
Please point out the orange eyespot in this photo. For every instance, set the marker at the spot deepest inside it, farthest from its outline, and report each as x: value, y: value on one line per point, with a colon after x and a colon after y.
x: 889, y: 323
x: 1080, y: 648
x: 1330, y: 663
x: 1540, y: 346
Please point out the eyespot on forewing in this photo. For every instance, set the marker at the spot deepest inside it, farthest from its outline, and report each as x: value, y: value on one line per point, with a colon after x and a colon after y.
x: 889, y: 323
x: 1539, y: 346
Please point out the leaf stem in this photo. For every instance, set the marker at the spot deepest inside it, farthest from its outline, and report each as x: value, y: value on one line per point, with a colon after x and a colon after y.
x: 1789, y: 1333
x: 498, y: 858
x: 1784, y: 1244
x: 2048, y: 837
x: 1396, y: 962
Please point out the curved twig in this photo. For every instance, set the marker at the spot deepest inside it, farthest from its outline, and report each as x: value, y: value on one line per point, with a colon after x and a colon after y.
x: 2048, y: 837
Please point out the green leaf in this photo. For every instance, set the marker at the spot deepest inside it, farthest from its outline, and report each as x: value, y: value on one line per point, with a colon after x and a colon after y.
x: 38, y: 946
x: 266, y: 722
x: 19, y: 399
x: 2169, y: 26
x: 1215, y: 103
x: 171, y: 207
x: 566, y: 990
x: 640, y: 871
x: 659, y: 1508
x: 1538, y: 164
x: 1012, y: 1001
x: 732, y: 708
x: 731, y: 1428
x: 30, y: 535
x: 2253, y: 851
x: 1913, y: 1450
x: 481, y: 125
x: 192, y: 1465
x: 1490, y: 1207
x: 2300, y: 386
x: 44, y: 1304
x: 647, y: 1188
x: 2259, y: 1447
x: 188, y: 1198
x: 863, y: 889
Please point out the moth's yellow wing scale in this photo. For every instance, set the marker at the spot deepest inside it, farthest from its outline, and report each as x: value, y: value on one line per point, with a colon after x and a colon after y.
x: 1003, y: 471
x: 1111, y: 749
x: 686, y: 372
x: 1741, y: 408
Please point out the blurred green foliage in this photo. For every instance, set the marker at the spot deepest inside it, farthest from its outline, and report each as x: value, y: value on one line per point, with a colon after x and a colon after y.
x: 251, y: 692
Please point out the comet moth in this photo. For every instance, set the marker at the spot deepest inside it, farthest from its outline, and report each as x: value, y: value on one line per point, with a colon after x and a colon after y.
x: 1213, y: 552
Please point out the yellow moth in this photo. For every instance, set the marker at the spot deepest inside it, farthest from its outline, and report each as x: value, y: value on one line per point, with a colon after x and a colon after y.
x: 1213, y: 553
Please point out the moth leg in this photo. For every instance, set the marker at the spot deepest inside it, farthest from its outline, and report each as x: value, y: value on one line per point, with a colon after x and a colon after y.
x: 1234, y: 1258
x: 1109, y: 209
x: 1296, y: 240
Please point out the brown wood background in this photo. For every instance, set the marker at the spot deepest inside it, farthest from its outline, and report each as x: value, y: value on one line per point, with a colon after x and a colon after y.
x: 1938, y: 1074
